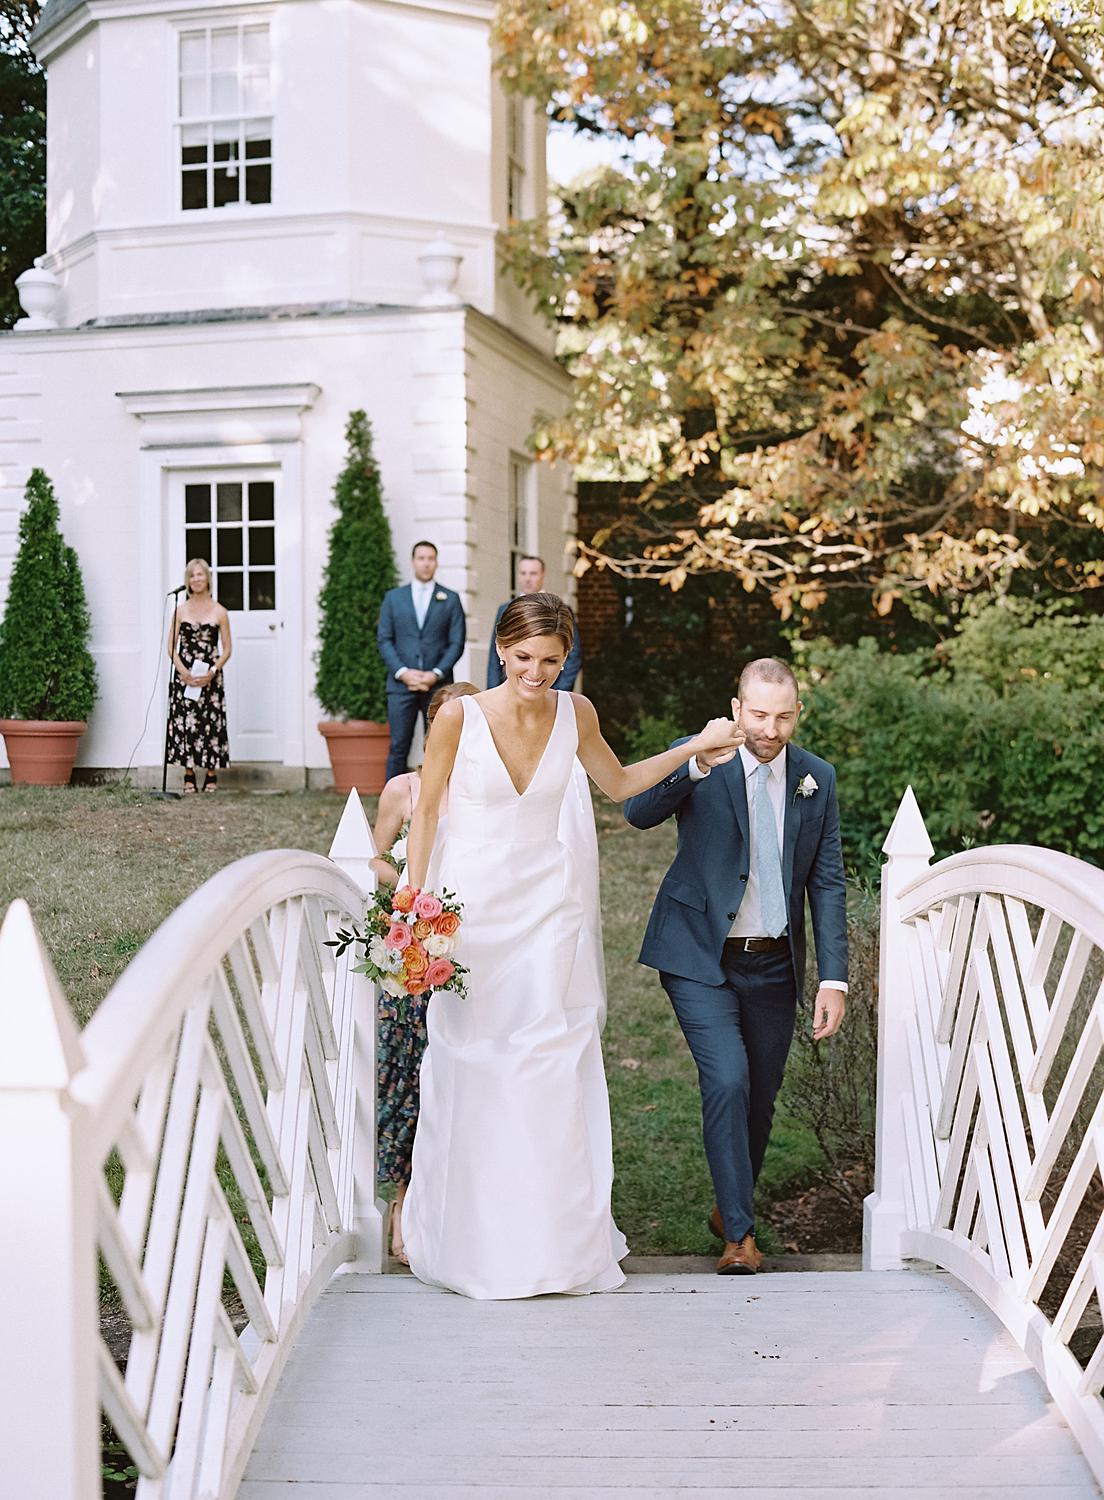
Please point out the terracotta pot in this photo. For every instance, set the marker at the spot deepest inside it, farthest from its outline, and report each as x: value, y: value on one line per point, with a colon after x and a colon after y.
x: 358, y: 753
x: 41, y: 752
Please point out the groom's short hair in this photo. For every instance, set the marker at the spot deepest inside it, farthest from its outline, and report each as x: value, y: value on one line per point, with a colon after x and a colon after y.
x: 767, y: 669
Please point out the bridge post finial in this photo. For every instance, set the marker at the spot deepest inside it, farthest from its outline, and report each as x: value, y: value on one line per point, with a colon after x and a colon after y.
x: 908, y: 850
x: 48, y: 1302
x: 353, y: 850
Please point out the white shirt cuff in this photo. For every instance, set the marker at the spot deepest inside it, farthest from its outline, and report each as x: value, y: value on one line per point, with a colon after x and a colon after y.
x: 438, y: 673
x: 834, y: 984
x: 399, y: 673
x: 696, y: 772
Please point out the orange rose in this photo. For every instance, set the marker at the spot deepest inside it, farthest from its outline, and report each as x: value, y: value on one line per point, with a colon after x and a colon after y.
x: 416, y: 986
x: 422, y: 929
x: 415, y: 961
x: 403, y: 900
x: 447, y: 924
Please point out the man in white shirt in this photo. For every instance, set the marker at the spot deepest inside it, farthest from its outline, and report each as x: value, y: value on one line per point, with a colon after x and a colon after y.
x: 421, y: 635
x: 758, y: 833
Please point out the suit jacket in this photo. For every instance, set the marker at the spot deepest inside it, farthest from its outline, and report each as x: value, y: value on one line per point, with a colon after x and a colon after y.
x: 571, y: 667
x: 434, y: 646
x: 701, y: 893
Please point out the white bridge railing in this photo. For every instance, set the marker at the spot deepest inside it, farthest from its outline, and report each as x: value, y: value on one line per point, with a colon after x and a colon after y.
x: 990, y: 1133
x: 216, y: 1114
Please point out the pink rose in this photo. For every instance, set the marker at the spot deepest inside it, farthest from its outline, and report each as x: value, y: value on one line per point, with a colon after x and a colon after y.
x: 399, y: 937
x: 439, y: 972
x: 428, y: 906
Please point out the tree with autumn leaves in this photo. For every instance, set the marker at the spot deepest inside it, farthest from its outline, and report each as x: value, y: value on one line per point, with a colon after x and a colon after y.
x: 839, y: 312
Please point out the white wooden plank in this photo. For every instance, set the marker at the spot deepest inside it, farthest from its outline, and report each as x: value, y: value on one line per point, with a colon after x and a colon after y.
x: 278, y: 1490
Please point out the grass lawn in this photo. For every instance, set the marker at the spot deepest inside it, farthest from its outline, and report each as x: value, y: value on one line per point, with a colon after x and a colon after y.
x: 102, y: 867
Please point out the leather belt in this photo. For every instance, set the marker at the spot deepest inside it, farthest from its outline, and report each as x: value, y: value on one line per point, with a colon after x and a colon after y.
x: 758, y: 944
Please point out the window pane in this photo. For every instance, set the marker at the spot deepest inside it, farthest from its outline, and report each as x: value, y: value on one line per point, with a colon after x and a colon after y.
x: 193, y: 156
x: 256, y: 94
x: 229, y: 502
x: 262, y: 546
x: 193, y: 189
x: 224, y: 94
x: 229, y: 591
x: 255, y: 46
x: 262, y: 497
x: 225, y: 150
x: 262, y: 591
x: 257, y: 146
x: 197, y: 542
x: 193, y: 97
x: 224, y: 47
x: 193, y: 52
x: 229, y: 547
x: 197, y: 503
x: 226, y: 186
x: 258, y: 184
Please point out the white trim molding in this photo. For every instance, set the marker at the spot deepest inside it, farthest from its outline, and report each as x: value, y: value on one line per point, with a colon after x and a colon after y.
x: 221, y: 415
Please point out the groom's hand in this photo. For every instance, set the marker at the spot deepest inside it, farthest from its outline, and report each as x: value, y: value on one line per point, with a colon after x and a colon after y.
x: 828, y: 1012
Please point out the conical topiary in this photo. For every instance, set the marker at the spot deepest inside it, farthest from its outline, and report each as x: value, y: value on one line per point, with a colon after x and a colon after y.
x: 360, y: 568
x: 46, y: 668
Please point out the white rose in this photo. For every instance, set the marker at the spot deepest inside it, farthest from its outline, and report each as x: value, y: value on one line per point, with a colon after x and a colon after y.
x: 379, y: 953
x: 438, y: 946
x: 398, y: 850
x: 393, y: 987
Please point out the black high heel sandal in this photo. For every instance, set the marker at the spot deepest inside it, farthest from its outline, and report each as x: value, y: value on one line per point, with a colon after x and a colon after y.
x: 210, y: 783
x: 190, y: 783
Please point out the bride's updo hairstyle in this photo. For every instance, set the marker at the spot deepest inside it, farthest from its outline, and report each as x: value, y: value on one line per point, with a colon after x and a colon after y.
x: 535, y: 614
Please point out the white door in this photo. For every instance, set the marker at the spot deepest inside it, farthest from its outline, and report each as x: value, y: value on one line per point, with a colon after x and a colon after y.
x: 230, y: 517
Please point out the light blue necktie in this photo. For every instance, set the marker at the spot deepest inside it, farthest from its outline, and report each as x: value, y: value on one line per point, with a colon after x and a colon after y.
x: 768, y: 861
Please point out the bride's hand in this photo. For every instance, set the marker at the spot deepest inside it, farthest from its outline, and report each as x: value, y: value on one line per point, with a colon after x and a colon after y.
x: 718, y: 742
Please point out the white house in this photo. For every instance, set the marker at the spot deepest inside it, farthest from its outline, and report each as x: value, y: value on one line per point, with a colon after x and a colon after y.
x: 261, y: 216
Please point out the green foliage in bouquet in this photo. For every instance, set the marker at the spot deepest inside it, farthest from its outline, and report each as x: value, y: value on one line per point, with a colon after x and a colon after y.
x: 46, y: 668
x: 360, y: 568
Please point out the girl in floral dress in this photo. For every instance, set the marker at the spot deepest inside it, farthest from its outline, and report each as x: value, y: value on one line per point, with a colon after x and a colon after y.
x: 199, y: 634
x: 401, y: 1035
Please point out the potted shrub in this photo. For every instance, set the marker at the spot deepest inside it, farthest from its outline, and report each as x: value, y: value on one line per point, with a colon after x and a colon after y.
x: 360, y: 568
x: 47, y: 675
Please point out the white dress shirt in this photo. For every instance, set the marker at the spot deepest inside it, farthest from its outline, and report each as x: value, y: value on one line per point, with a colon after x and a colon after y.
x: 749, y: 922
x: 421, y: 593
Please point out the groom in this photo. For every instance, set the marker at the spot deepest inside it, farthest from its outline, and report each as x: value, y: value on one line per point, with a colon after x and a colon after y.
x: 758, y: 831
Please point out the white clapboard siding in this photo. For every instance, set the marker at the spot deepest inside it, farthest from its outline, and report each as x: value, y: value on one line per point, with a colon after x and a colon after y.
x: 807, y: 1384
x: 990, y: 1107
x: 234, y: 1047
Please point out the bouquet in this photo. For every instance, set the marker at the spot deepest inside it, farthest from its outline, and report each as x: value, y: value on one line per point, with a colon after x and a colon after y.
x: 408, y: 939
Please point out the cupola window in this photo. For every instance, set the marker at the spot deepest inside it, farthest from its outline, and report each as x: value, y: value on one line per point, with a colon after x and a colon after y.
x: 225, y: 119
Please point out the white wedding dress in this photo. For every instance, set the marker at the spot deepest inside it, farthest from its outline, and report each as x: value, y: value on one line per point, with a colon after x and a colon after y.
x: 513, y: 1161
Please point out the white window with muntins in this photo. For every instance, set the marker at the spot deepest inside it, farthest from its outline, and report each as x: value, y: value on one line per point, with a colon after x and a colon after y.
x: 230, y: 518
x: 225, y: 116
x: 517, y: 193
x: 521, y: 512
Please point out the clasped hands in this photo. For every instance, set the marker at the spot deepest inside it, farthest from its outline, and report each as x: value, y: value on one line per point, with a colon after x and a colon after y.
x: 718, y: 743
x: 418, y: 681
x: 190, y: 679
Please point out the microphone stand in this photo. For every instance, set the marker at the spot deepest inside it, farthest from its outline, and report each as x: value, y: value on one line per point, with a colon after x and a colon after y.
x: 173, y: 594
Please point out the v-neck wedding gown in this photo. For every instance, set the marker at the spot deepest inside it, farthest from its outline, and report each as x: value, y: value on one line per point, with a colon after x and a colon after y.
x: 513, y: 1161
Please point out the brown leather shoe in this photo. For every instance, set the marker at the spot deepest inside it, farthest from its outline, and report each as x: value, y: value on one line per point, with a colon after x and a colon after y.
x: 740, y: 1258
x: 716, y: 1225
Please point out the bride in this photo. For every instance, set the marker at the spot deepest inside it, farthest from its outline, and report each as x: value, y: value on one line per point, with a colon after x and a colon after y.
x: 513, y: 1163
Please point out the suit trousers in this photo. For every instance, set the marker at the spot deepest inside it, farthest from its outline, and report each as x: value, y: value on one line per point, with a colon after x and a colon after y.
x: 739, y: 1033
x: 402, y: 715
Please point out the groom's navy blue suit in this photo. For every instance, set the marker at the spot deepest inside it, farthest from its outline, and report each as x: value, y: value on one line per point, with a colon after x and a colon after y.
x: 737, y: 1009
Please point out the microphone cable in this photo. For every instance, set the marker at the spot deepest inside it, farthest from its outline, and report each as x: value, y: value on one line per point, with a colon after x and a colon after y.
x: 172, y: 594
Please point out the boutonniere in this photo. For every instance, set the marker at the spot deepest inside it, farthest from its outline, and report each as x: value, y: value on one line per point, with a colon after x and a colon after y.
x: 440, y: 594
x: 805, y: 787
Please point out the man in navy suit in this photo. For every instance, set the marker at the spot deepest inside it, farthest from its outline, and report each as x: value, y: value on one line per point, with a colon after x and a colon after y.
x: 421, y: 635
x: 758, y: 831
x: 530, y: 580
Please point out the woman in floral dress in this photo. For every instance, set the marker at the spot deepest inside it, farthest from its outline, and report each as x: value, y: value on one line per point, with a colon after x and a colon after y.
x: 401, y: 1036
x: 199, y: 648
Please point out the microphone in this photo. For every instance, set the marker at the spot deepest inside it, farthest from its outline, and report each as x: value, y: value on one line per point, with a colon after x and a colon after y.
x: 179, y: 590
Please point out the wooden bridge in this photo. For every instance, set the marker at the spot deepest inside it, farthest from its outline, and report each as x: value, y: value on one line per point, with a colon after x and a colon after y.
x: 218, y: 1111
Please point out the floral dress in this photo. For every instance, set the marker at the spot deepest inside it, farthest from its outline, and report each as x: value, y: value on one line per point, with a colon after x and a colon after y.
x: 400, y: 1042
x: 197, y: 726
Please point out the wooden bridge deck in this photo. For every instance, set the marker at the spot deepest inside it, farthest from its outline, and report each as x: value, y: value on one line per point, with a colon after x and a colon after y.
x: 813, y: 1385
